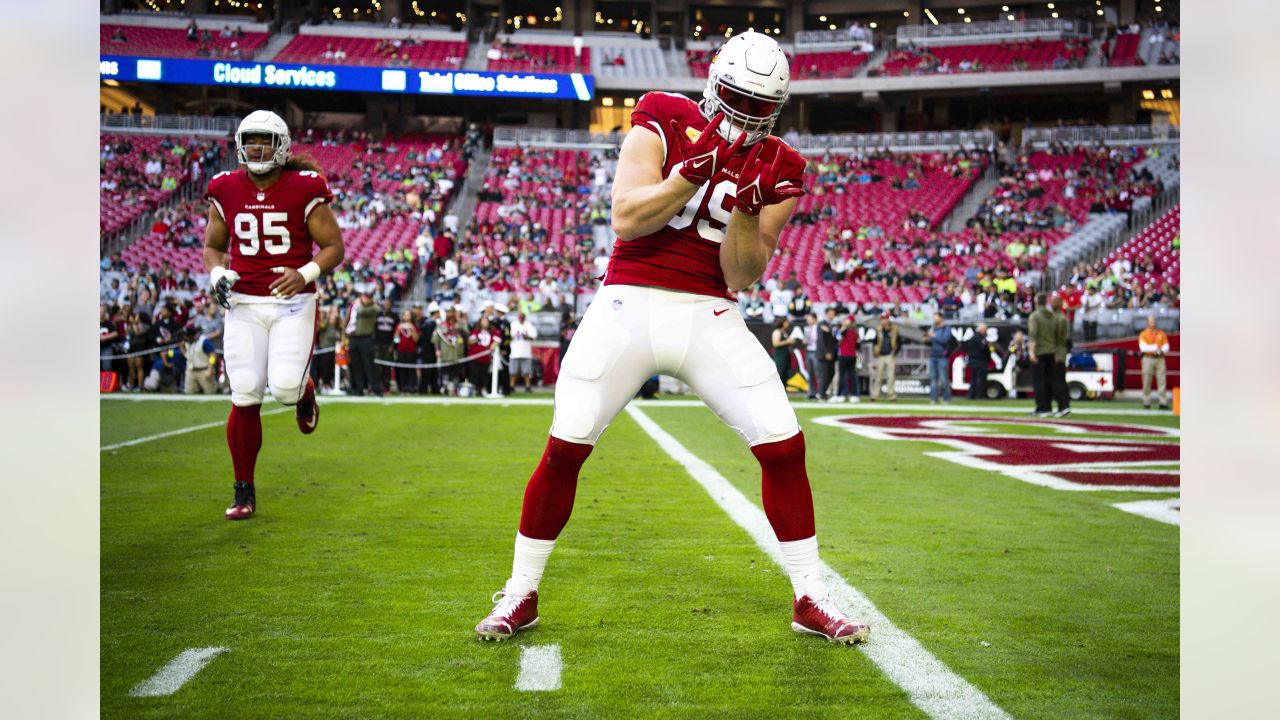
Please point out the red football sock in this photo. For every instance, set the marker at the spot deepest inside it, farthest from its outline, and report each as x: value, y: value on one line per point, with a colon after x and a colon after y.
x: 548, y: 498
x: 244, y: 437
x: 788, y: 502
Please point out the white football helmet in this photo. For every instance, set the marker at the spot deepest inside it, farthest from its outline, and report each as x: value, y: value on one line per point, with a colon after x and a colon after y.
x: 749, y: 81
x: 263, y: 122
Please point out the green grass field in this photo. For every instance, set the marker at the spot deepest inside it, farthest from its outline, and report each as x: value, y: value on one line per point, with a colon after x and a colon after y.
x: 379, y: 539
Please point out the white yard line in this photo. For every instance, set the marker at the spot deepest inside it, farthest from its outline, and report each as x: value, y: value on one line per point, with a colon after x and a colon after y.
x: 176, y: 673
x: 179, y: 431
x: 518, y: 399
x: 931, y: 685
x: 539, y: 668
x: 1165, y: 511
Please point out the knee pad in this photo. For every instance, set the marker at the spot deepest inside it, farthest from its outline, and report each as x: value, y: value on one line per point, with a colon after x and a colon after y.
x: 577, y: 412
x: 775, y: 419
x: 286, y: 395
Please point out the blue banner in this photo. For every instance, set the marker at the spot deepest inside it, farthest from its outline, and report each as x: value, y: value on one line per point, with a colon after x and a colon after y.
x: 238, y: 73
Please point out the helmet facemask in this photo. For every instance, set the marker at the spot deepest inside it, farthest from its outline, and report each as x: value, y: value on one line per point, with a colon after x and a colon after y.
x: 744, y: 111
x: 261, y: 158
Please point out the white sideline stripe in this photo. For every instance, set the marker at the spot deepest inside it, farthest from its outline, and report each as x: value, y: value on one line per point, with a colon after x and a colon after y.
x: 931, y: 685
x: 539, y: 668
x: 176, y: 673
x: 835, y: 407
x: 179, y: 431
x: 1165, y: 511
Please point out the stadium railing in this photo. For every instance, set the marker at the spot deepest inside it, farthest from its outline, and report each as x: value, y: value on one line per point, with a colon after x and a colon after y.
x: 993, y: 31
x: 1107, y: 135
x: 806, y: 144
x: 554, y: 137
x: 897, y: 142
x: 167, y: 124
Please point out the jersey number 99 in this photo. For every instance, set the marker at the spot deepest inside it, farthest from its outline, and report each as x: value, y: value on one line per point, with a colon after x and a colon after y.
x: 274, y: 236
x: 715, y: 208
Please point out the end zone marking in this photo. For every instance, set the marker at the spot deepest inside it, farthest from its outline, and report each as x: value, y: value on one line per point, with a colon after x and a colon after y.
x: 931, y: 685
x: 539, y: 668
x: 180, y: 431
x: 176, y: 673
x: 1165, y: 511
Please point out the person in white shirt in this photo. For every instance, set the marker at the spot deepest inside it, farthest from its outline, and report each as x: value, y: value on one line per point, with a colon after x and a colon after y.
x: 450, y: 272
x: 523, y: 333
x: 1091, y: 305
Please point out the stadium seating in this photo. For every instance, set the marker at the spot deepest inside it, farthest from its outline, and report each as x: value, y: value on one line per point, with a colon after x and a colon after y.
x: 642, y: 62
x: 996, y: 57
x: 539, y: 58
x: 1155, y: 242
x: 873, y: 203
x: 1124, y: 52
x: 134, y: 194
x: 173, y: 42
x: 321, y: 49
x: 549, y: 188
x: 838, y: 64
x: 394, y: 228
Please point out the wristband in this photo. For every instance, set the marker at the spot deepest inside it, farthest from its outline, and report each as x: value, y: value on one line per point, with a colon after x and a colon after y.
x: 310, y: 272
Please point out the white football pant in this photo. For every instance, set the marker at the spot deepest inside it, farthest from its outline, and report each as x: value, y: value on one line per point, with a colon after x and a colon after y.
x: 631, y: 333
x: 269, y: 344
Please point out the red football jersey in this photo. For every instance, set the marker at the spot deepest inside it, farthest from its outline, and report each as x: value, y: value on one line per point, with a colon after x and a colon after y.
x: 685, y: 253
x: 268, y: 227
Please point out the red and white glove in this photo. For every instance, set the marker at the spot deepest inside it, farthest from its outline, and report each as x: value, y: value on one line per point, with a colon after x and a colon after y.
x: 706, y: 156
x: 759, y: 185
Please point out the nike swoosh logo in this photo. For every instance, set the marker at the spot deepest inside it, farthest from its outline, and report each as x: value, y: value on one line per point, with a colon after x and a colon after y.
x: 719, y: 312
x: 695, y: 164
x: 755, y: 196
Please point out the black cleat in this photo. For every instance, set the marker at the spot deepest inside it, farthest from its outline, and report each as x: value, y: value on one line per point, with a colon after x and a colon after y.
x: 245, y: 503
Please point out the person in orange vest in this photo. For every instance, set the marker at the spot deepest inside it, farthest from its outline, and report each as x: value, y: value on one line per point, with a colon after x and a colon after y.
x: 1154, y: 345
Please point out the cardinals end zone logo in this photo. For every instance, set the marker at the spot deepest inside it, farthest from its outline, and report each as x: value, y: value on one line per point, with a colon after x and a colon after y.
x: 1056, y: 454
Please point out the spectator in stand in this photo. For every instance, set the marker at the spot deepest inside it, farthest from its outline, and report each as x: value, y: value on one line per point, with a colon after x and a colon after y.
x: 978, y: 350
x: 361, y: 323
x: 1154, y: 345
x: 884, y: 358
x: 848, y: 360
x: 941, y: 343
x: 782, y: 343
x: 1091, y: 305
x: 1042, y: 350
x: 406, y: 344
x: 799, y: 307
x: 828, y: 346
x: 523, y: 333
x: 202, y: 370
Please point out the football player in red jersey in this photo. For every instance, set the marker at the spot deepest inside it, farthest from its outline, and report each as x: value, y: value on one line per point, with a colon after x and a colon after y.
x: 263, y: 220
x: 700, y: 194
